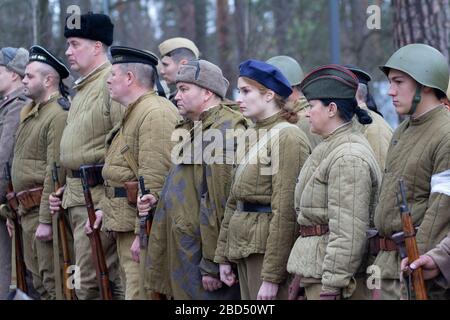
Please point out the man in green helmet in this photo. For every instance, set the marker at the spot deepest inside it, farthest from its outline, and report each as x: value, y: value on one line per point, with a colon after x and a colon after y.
x: 297, y: 102
x: 419, y: 150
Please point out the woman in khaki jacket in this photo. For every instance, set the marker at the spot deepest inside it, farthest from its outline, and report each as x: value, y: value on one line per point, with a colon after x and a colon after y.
x: 336, y: 192
x: 259, y: 226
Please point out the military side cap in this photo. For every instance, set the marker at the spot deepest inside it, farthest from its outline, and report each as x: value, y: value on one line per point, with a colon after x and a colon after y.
x: 40, y: 54
x: 15, y: 59
x: 176, y: 43
x: 203, y: 74
x: 363, y: 77
x: 266, y: 74
x: 93, y: 26
x: 122, y: 54
x: 329, y: 82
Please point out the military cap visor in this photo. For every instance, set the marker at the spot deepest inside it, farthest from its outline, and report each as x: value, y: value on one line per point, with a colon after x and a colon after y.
x: 122, y: 54
x: 363, y: 77
x: 40, y: 54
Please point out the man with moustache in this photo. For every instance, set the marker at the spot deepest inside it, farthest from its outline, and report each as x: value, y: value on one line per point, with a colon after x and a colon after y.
x: 36, y: 150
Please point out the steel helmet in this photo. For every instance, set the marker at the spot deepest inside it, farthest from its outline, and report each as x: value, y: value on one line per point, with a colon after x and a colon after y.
x: 421, y: 62
x: 290, y: 68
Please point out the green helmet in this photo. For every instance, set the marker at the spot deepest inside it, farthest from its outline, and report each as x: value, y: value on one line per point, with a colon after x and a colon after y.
x: 289, y: 67
x: 421, y: 62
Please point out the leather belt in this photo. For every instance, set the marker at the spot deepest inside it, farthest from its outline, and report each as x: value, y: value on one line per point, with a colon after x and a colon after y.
x: 253, y: 207
x: 315, y: 230
x: 387, y: 244
x: 115, y: 192
x: 76, y: 174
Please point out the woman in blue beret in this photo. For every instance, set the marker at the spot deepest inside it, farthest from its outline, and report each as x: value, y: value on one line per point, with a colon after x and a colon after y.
x: 259, y: 228
x: 336, y: 192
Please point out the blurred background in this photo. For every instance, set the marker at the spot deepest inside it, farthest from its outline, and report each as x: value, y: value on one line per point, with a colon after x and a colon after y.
x: 360, y: 32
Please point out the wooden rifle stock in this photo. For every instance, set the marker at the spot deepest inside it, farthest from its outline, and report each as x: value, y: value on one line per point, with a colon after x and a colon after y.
x: 95, y: 240
x: 411, y: 244
x: 18, y: 243
x: 145, y: 228
x: 62, y: 227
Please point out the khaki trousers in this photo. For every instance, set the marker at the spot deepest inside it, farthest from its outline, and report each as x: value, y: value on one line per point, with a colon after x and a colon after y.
x: 249, y: 270
x: 5, y: 260
x: 89, y: 289
x: 38, y: 256
x: 131, y: 279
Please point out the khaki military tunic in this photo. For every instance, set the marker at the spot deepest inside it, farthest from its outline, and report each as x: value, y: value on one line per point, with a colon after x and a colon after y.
x: 146, y: 129
x: 189, y: 213
x: 419, y: 149
x: 338, y: 186
x: 378, y: 133
x: 91, y: 117
x: 36, y: 149
x: 270, y: 235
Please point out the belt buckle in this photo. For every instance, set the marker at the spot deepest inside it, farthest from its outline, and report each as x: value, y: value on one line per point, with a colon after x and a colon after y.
x: 318, y: 229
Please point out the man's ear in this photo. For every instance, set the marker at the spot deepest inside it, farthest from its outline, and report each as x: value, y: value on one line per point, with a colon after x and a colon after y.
x: 427, y: 90
x: 98, y: 45
x: 183, y: 61
x: 15, y: 76
x: 130, y: 77
x: 208, y: 94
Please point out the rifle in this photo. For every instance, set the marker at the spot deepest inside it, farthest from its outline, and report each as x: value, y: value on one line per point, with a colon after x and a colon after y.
x: 145, y: 222
x: 145, y: 227
x: 94, y: 237
x: 68, y: 293
x: 412, y: 250
x: 18, y: 244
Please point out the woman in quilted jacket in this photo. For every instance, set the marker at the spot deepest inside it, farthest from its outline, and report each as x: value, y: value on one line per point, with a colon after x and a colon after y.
x: 336, y: 191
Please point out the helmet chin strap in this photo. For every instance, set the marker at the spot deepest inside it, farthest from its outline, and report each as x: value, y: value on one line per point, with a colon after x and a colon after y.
x: 416, y: 99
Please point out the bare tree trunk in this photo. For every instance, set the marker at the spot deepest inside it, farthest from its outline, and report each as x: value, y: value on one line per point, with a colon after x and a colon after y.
x: 418, y: 21
x: 282, y: 11
x: 359, y: 31
x: 44, y: 30
x: 241, y: 24
x: 169, y: 22
x: 200, y: 22
x: 187, y: 19
x: 223, y: 40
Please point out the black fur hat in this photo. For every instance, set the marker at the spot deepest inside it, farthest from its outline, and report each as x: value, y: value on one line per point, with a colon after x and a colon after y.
x: 93, y: 26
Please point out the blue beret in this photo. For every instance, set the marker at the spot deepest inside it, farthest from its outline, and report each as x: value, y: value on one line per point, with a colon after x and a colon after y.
x: 266, y: 74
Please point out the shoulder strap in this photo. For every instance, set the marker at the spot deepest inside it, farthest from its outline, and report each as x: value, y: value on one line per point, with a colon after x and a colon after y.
x: 125, y: 151
x: 258, y: 146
